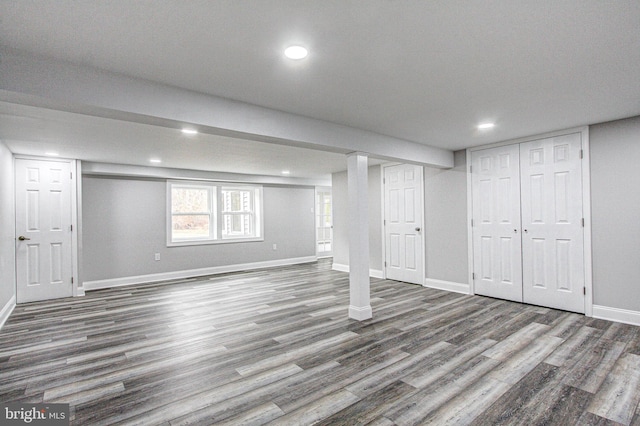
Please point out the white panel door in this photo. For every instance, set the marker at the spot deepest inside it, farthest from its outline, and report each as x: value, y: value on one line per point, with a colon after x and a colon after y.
x: 43, y: 230
x: 552, y: 239
x: 496, y: 222
x: 403, y: 223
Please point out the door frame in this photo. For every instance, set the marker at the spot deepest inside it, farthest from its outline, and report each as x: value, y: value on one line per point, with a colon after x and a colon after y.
x: 586, y: 206
x: 76, y: 171
x: 318, y: 189
x: 383, y: 210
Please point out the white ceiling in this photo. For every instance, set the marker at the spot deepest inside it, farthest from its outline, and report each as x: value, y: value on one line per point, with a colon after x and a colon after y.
x: 425, y: 71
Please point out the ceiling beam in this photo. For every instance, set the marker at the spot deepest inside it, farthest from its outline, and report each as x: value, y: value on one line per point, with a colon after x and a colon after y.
x: 163, y: 173
x: 54, y: 84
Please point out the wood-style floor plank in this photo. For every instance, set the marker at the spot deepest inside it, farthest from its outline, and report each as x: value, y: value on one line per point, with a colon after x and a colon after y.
x: 618, y: 396
x: 275, y: 346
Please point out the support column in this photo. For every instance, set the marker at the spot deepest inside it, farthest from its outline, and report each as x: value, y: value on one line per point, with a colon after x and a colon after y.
x: 357, y: 175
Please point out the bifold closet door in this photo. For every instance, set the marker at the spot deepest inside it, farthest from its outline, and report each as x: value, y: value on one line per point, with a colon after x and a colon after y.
x: 528, y: 230
x: 552, y: 228
x: 496, y: 222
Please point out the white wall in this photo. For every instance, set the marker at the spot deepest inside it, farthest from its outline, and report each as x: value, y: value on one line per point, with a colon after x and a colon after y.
x: 124, y: 225
x: 615, y: 213
x: 7, y: 231
x: 375, y: 218
x: 445, y: 221
x: 445, y: 200
x: 340, y: 218
x: 340, y: 200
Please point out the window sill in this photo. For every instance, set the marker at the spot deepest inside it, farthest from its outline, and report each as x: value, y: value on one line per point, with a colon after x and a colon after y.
x: 209, y: 242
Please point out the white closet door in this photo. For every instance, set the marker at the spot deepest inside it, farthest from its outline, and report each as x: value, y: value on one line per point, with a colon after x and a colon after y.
x: 496, y: 222
x: 552, y: 239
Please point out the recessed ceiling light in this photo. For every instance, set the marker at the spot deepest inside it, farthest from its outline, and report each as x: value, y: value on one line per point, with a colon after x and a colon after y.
x: 295, y: 52
x: 189, y: 131
x: 286, y: 172
x: 155, y: 160
x: 484, y: 126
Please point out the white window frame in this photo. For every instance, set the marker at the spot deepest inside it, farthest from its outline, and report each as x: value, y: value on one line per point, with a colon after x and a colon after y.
x: 254, y: 211
x: 216, y: 219
x: 211, y: 189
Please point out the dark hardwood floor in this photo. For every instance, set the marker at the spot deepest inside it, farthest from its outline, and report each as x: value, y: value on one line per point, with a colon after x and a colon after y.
x: 276, y: 346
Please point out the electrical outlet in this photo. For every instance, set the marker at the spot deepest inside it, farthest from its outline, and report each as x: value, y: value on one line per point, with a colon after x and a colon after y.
x: 275, y: 247
x: 157, y: 256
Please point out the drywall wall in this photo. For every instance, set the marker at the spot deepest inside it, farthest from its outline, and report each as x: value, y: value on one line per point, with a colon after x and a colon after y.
x: 340, y: 199
x: 445, y: 200
x: 375, y: 218
x: 445, y: 221
x: 124, y: 225
x: 615, y: 212
x: 7, y: 229
x: 340, y: 213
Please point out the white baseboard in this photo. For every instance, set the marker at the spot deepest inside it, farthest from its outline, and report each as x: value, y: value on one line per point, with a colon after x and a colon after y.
x: 340, y: 267
x: 616, y: 314
x: 374, y: 273
x: 78, y: 291
x: 6, y: 310
x: 447, y: 285
x: 176, y: 275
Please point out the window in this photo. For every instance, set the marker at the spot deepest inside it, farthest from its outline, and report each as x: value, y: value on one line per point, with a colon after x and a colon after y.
x: 237, y: 213
x: 206, y: 213
x: 192, y: 217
